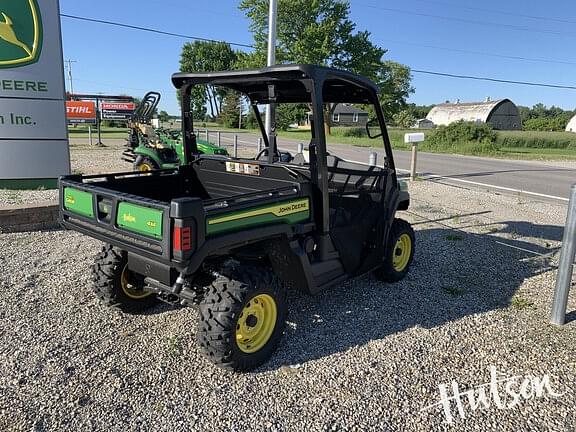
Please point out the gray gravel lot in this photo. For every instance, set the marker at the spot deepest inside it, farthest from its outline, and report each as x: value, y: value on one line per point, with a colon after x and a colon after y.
x: 363, y: 356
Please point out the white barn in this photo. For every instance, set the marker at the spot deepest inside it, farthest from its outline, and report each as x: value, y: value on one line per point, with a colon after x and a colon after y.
x: 571, y: 127
x: 501, y: 114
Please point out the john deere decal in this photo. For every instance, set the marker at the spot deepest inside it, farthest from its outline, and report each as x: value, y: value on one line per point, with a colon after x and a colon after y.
x: 20, y: 33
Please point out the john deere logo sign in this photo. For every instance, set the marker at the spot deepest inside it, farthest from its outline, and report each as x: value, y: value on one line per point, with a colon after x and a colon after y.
x: 20, y: 33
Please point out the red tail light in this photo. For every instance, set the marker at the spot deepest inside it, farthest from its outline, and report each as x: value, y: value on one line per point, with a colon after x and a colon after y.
x: 182, y: 238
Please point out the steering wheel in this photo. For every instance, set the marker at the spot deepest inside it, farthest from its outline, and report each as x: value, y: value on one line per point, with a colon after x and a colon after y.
x: 282, y: 156
x: 263, y: 152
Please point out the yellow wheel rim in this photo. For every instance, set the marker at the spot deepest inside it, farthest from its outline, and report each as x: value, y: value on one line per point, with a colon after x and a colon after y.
x: 402, y: 252
x: 144, y: 167
x: 256, y: 323
x: 129, y: 289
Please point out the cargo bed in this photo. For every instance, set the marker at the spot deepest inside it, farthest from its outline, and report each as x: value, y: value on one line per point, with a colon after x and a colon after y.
x: 139, y: 212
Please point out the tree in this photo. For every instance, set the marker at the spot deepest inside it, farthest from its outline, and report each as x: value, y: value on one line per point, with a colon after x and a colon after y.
x: 200, y: 56
x: 288, y: 114
x: 394, y: 82
x: 542, y: 118
x: 321, y: 32
x: 163, y: 116
x: 404, y: 119
x: 418, y: 111
x: 230, y: 114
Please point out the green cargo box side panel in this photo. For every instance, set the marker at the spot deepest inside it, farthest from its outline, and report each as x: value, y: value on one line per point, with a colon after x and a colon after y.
x: 79, y: 202
x: 139, y: 219
x: 289, y: 212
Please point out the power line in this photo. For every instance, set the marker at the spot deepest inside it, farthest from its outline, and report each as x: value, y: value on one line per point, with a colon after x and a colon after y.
x: 151, y: 30
x: 477, y: 78
x: 468, y: 21
x: 511, y: 57
x: 499, y: 12
x: 251, y: 46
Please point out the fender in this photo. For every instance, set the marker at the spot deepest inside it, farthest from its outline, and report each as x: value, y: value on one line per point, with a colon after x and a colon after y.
x: 148, y: 152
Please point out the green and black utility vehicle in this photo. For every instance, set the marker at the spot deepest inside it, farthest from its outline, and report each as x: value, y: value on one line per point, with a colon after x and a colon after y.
x: 231, y: 236
x: 150, y: 148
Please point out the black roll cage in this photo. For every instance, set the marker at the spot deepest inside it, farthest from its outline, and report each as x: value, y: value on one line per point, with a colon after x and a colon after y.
x: 318, y: 85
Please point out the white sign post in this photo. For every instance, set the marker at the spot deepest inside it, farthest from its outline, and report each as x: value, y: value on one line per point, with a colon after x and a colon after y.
x: 33, y: 136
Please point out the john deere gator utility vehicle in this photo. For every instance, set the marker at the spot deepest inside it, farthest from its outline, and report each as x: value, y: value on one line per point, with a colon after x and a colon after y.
x: 160, y: 148
x: 230, y: 236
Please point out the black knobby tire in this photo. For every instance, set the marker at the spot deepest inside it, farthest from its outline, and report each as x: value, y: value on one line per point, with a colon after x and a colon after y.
x: 145, y: 161
x: 107, y: 274
x: 388, y: 272
x: 228, y: 297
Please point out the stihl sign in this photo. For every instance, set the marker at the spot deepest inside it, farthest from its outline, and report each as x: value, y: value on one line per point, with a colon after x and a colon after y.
x: 81, y: 112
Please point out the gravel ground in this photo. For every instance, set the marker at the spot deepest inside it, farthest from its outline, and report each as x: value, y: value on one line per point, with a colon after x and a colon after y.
x: 362, y: 356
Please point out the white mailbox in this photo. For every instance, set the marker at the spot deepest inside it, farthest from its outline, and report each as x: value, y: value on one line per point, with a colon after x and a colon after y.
x: 413, y: 137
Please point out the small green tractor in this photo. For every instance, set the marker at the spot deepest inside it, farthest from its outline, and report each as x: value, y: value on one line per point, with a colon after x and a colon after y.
x: 160, y: 148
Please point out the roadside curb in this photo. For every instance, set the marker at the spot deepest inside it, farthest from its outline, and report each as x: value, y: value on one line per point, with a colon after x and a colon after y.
x: 28, y: 217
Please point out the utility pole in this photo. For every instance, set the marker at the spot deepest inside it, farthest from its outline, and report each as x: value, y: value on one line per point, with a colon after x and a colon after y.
x: 69, y: 68
x: 271, y: 112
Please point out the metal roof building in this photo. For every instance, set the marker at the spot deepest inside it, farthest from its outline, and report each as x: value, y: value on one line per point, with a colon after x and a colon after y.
x: 501, y: 114
x: 571, y: 127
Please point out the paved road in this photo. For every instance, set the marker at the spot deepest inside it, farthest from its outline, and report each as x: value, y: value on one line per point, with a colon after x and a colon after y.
x: 537, y: 179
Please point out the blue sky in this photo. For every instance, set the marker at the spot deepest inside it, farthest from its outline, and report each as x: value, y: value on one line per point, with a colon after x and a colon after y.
x: 424, y: 34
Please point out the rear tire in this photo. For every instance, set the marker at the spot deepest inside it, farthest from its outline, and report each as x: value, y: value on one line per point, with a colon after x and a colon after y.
x: 399, y: 252
x: 117, y: 286
x: 145, y: 163
x: 242, y: 318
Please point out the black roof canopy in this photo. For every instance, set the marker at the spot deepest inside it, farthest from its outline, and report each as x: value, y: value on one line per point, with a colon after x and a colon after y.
x: 338, y: 85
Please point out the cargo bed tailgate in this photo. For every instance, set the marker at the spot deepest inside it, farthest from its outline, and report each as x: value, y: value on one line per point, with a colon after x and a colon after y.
x: 133, y: 223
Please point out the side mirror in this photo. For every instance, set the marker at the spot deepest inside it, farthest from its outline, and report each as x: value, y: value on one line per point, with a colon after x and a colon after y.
x: 373, y: 129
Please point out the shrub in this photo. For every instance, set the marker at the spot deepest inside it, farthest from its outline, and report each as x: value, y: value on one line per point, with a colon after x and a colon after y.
x: 461, y: 132
x: 354, y: 132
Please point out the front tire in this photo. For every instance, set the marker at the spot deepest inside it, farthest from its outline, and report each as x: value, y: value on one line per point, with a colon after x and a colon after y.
x: 242, y: 318
x: 399, y: 252
x: 144, y: 164
x: 117, y: 286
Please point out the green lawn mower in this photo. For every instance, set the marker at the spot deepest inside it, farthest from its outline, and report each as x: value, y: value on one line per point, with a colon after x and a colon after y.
x: 149, y: 148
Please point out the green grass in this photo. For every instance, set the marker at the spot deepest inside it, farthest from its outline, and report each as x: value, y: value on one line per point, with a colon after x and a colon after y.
x: 521, y: 303
x: 562, y: 145
x: 554, y: 139
x: 537, y: 139
x: 81, y: 131
x: 337, y: 137
x: 537, y: 153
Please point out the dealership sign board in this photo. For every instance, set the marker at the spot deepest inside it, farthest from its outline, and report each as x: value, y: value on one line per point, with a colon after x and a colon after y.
x: 117, y: 110
x: 81, y: 112
x: 33, y: 135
